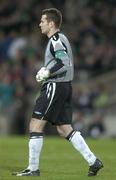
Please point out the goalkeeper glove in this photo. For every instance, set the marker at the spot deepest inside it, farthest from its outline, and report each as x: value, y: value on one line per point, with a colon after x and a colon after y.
x: 42, y: 74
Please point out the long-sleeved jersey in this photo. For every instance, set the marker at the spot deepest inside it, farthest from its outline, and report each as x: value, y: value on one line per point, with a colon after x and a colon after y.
x: 59, y: 58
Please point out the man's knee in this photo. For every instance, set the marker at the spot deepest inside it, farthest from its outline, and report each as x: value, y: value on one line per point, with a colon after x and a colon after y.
x: 37, y: 125
x: 64, y: 130
x: 60, y: 131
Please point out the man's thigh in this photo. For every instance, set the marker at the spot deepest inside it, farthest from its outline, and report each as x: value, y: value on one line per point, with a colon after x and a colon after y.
x: 54, y: 101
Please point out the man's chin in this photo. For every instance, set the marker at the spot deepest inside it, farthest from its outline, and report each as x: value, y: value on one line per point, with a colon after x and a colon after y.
x: 43, y: 32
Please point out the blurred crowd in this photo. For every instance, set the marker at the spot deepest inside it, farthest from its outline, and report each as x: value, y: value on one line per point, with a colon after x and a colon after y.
x: 90, y: 26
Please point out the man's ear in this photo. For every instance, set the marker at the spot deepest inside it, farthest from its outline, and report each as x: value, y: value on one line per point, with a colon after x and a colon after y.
x: 51, y: 23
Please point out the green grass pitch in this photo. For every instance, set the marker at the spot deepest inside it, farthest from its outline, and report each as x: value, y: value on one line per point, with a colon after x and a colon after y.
x: 59, y: 160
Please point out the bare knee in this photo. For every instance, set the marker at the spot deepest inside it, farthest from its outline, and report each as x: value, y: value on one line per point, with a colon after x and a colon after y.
x: 60, y: 132
x: 64, y: 130
x: 37, y: 125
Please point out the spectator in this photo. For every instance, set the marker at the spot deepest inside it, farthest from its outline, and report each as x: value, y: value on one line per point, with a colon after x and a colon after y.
x: 96, y: 128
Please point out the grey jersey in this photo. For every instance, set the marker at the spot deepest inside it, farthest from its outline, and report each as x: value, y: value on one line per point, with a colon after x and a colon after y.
x: 59, y: 50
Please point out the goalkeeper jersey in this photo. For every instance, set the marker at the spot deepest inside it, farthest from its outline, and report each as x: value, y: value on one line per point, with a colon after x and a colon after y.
x: 59, y: 59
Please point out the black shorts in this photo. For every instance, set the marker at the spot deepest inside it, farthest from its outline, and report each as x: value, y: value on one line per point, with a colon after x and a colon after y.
x: 54, y: 103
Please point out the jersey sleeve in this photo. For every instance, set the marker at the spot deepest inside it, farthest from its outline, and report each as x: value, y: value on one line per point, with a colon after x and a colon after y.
x: 59, y: 52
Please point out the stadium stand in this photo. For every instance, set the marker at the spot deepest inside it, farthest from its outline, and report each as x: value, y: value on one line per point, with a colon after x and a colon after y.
x: 91, y: 29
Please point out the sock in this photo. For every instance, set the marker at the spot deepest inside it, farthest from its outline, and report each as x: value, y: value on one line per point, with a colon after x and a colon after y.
x: 35, y: 146
x: 79, y: 144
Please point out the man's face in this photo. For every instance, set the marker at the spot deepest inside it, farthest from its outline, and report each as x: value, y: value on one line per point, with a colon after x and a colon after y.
x: 44, y: 25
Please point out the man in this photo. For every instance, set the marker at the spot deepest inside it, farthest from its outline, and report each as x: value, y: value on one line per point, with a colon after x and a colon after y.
x: 54, y: 102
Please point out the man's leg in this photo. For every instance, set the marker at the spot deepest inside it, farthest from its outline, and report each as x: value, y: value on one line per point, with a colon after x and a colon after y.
x: 35, y: 146
x: 79, y: 144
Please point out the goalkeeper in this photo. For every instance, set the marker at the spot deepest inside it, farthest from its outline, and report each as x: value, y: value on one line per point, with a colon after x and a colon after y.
x: 54, y: 103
